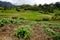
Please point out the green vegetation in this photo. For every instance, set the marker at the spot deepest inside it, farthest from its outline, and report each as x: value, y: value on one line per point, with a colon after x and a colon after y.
x: 35, y: 16
x: 19, y: 32
x: 56, y: 37
x: 52, y: 33
x: 23, y: 32
x: 53, y: 24
x: 4, y: 21
x: 49, y: 29
x: 31, y: 15
x: 47, y: 15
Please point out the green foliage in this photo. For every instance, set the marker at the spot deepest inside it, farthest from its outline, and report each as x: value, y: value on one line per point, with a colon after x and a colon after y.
x: 20, y: 21
x: 54, y: 24
x: 7, y: 20
x: 1, y: 24
x: 56, y: 37
x: 57, y: 14
x: 57, y: 26
x: 4, y: 21
x: 49, y: 31
x: 23, y: 32
x: 33, y: 23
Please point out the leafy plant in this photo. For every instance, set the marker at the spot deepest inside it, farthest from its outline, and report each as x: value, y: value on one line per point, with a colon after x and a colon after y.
x: 12, y: 20
x: 57, y: 37
x: 23, y: 32
x: 5, y: 20
x: 49, y: 31
x: 1, y: 23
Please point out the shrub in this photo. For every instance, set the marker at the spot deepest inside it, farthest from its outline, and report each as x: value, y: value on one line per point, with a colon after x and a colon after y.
x: 3, y: 22
x: 23, y: 32
x: 57, y: 37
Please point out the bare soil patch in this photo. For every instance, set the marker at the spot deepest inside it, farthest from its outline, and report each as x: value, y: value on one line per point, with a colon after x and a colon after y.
x: 37, y: 32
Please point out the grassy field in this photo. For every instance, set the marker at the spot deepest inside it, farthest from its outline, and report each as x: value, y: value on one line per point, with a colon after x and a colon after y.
x: 30, y: 15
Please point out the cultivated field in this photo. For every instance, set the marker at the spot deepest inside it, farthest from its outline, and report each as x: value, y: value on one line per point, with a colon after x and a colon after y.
x: 28, y: 25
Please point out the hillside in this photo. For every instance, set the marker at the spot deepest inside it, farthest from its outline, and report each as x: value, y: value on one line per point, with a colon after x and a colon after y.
x: 7, y: 4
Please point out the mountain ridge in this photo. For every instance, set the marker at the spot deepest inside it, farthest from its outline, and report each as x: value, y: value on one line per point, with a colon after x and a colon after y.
x: 7, y: 4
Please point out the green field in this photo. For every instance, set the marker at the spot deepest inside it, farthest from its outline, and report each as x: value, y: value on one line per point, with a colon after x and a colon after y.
x: 48, y: 22
x: 29, y: 15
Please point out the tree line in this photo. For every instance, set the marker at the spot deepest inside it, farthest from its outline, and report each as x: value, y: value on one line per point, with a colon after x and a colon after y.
x: 46, y: 8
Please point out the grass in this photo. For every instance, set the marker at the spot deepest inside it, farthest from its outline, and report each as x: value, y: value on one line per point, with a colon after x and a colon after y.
x: 54, y: 24
x: 29, y: 15
x: 8, y: 11
x: 34, y: 16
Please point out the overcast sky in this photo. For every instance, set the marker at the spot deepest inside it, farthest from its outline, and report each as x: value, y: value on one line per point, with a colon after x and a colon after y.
x: 19, y: 2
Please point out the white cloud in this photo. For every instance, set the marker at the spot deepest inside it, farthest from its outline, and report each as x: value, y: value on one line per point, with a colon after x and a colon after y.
x: 45, y: 1
x: 24, y: 2
x: 30, y: 1
x: 12, y: 1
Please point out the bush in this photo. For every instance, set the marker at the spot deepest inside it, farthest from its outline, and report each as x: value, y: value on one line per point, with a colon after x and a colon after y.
x: 56, y: 37
x: 23, y: 32
x: 3, y: 22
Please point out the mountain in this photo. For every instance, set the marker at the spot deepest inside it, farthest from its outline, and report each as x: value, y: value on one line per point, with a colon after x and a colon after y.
x: 7, y: 4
